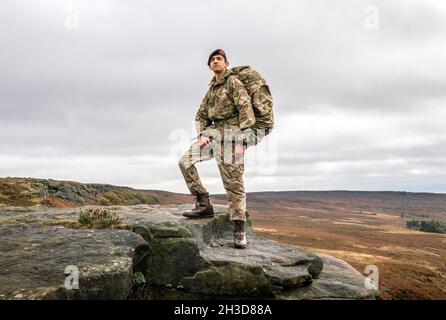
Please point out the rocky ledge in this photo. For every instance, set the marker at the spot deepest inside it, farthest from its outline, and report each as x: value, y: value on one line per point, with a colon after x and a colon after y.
x: 158, y: 254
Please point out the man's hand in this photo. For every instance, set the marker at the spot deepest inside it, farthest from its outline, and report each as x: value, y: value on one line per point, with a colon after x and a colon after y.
x: 204, y: 141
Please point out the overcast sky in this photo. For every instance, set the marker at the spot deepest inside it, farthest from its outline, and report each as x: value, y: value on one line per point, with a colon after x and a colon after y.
x: 107, y: 91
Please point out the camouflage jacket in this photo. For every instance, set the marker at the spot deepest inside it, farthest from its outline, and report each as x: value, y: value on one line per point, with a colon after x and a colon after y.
x: 225, y: 99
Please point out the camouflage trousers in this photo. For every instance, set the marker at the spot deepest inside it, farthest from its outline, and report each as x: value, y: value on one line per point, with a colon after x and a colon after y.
x: 231, y: 172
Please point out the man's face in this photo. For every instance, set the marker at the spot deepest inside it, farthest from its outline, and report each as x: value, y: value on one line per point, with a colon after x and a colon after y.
x: 218, y: 63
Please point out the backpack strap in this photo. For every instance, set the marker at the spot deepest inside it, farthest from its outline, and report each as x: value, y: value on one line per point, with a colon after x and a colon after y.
x: 229, y: 87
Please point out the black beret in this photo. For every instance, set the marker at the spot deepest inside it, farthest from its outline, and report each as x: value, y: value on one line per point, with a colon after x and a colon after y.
x: 215, y: 53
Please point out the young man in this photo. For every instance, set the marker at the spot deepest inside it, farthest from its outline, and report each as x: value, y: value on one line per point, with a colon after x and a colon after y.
x: 224, y: 115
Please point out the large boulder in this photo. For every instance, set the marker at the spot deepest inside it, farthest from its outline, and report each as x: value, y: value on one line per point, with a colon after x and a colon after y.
x: 161, y: 255
x: 34, y: 257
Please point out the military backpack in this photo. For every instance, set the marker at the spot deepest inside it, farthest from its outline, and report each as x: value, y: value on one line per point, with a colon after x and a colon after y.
x: 261, y: 98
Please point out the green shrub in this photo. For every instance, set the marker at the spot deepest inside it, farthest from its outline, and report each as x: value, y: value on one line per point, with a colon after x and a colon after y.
x: 146, y: 198
x: 85, y: 218
x: 104, y: 201
x: 99, y: 218
x: 413, y: 224
x: 113, y: 198
x: 127, y: 197
x: 138, y: 278
x: 426, y: 226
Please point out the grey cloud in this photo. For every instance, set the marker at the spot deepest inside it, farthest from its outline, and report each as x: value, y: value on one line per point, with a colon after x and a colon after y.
x: 135, y: 71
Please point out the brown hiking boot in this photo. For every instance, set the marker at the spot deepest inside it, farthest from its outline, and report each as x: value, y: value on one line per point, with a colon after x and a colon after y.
x: 203, y: 208
x: 240, y: 241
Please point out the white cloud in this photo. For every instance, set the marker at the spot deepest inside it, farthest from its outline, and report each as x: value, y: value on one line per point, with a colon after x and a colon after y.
x: 355, y: 108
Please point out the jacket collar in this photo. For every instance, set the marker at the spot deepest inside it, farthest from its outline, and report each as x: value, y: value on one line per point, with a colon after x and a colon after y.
x: 226, y: 75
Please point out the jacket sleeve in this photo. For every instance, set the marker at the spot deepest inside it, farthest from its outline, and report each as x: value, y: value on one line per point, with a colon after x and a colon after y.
x: 242, y: 101
x: 202, y: 120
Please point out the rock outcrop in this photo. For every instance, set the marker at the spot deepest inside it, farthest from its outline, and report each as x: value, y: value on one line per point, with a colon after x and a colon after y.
x: 161, y: 255
x: 65, y: 194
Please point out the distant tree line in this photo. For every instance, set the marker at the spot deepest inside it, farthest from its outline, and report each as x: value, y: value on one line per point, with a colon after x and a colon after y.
x: 427, y: 226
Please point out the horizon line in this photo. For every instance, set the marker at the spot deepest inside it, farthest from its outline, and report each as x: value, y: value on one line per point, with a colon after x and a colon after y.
x: 263, y: 191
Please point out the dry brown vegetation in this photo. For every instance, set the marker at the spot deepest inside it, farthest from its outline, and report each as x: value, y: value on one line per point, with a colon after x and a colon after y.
x: 363, y: 229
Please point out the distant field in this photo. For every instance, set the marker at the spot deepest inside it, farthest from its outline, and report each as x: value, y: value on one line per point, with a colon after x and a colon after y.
x: 363, y: 229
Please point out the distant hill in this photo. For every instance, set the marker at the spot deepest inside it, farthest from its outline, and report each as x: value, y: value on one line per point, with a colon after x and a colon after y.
x: 62, y: 194
x: 56, y: 193
x: 404, y: 204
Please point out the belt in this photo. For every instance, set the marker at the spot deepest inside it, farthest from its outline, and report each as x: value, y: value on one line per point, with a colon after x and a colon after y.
x: 232, y: 120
